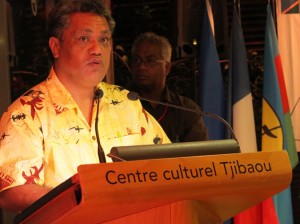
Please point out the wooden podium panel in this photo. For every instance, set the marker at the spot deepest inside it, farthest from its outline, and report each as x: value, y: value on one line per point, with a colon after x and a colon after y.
x: 200, y: 189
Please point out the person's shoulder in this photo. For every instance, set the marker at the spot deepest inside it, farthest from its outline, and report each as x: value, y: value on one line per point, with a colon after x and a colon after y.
x: 22, y: 107
x: 35, y: 92
x: 183, y: 100
x: 189, y: 102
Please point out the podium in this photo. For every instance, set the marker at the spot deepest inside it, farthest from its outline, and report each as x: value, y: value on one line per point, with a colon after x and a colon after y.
x: 196, y: 189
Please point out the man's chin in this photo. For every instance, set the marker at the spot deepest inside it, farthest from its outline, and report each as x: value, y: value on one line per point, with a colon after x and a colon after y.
x: 142, y: 84
x: 145, y: 87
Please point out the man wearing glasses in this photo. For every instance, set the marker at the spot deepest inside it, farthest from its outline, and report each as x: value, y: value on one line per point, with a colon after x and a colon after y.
x: 150, y: 65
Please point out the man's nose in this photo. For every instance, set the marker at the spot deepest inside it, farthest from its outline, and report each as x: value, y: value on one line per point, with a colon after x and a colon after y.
x: 95, y: 48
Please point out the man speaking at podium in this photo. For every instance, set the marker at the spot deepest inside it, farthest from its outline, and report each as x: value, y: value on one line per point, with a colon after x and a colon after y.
x: 53, y: 128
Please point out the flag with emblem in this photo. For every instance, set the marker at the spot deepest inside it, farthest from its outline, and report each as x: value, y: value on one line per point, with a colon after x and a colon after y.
x: 277, y: 130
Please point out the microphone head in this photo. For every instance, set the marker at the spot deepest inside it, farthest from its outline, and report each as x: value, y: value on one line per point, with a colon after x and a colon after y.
x: 98, y: 93
x: 133, y: 96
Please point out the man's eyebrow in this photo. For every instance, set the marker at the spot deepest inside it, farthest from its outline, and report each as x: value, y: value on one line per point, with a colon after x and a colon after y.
x: 106, y: 31
x: 83, y: 31
x: 90, y: 31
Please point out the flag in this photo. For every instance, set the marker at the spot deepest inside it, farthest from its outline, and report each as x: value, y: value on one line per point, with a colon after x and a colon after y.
x: 211, y: 88
x: 211, y: 83
x: 288, y: 23
x: 240, y: 108
x: 277, y: 130
x: 277, y: 126
x: 240, y: 97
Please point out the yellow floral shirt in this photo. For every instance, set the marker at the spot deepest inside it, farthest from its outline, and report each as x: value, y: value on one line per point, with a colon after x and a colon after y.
x: 45, y: 137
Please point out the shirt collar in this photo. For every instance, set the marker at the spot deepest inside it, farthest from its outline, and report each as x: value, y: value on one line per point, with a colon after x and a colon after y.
x: 60, y: 96
x: 167, y: 95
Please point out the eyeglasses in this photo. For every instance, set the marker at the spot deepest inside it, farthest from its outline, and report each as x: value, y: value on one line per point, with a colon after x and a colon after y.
x: 149, y: 62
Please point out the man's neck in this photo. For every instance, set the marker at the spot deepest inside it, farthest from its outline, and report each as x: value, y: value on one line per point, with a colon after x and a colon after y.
x: 85, y: 101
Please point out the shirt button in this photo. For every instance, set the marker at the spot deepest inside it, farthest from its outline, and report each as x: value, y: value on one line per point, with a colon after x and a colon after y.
x: 94, y: 138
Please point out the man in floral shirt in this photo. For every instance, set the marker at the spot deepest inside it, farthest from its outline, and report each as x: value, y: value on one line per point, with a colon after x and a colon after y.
x: 50, y: 130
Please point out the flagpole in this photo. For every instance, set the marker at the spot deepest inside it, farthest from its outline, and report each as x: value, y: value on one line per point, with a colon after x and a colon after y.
x: 272, y: 4
x: 237, y: 5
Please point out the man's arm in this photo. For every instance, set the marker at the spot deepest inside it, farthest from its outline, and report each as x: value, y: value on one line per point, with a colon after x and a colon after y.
x: 18, y: 198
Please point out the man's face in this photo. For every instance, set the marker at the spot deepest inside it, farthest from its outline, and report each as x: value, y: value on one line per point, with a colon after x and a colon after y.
x: 82, y: 57
x: 149, y: 71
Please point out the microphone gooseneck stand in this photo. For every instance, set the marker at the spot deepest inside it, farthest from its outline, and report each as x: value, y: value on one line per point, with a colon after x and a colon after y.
x: 135, y: 96
x: 97, y: 97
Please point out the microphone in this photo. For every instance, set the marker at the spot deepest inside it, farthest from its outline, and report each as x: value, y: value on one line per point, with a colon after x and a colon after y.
x: 135, y: 96
x: 98, y: 95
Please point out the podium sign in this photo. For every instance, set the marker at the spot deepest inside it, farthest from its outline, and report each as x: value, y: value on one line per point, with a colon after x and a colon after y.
x: 198, y: 189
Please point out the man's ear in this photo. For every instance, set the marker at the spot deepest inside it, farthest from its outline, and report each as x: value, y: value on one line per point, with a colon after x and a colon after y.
x: 54, y: 45
x: 168, y: 66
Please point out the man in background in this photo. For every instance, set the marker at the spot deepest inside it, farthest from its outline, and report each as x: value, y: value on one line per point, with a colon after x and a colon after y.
x: 150, y: 65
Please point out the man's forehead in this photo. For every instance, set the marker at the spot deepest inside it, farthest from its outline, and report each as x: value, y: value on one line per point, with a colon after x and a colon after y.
x: 147, y: 48
x: 88, y: 19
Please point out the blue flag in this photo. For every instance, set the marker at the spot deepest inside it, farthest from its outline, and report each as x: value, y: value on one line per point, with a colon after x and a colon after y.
x: 211, y: 97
